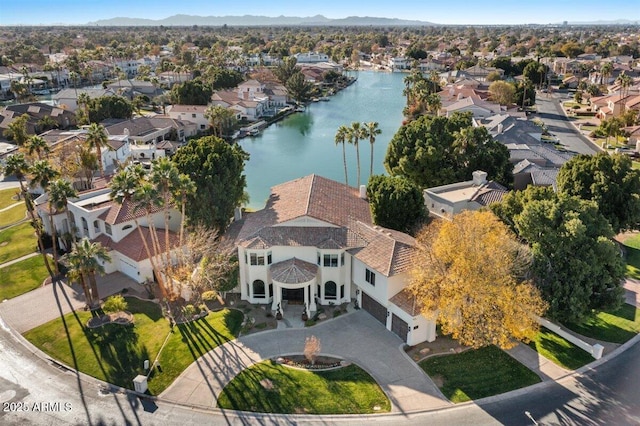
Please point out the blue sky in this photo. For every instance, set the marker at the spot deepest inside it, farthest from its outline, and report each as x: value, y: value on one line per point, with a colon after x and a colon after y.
x: 34, y: 12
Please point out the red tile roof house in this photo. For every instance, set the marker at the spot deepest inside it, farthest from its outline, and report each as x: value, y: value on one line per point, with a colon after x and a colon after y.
x: 100, y: 219
x: 315, y: 244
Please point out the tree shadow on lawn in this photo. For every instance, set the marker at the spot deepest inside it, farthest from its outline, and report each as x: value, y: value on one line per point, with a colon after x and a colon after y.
x: 121, y: 356
x: 570, y: 357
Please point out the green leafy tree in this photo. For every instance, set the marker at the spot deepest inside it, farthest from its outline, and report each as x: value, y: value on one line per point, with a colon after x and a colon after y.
x: 610, y: 181
x: 192, y: 92
x: 433, y: 151
x: 104, y: 107
x: 502, y: 92
x: 286, y: 69
x: 216, y: 168
x: 395, y: 203
x: 221, y: 119
x: 577, y: 266
x: 17, y: 129
x: 298, y: 88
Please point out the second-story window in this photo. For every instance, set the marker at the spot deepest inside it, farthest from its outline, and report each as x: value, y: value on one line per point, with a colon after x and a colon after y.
x: 256, y: 259
x: 370, y: 277
x: 330, y: 260
x: 107, y: 228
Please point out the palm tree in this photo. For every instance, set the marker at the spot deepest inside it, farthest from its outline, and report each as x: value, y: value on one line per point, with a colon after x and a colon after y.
x: 83, y: 101
x: 605, y: 71
x: 86, y: 260
x: 342, y: 135
x: 371, y: 130
x: 75, y: 273
x: 434, y: 103
x: 60, y: 191
x: 625, y: 82
x: 36, y: 144
x: 18, y: 129
x: 165, y: 175
x: 97, y: 139
x: 123, y: 190
x: 220, y: 119
x: 17, y: 166
x: 184, y: 188
x: 42, y: 174
x: 355, y: 135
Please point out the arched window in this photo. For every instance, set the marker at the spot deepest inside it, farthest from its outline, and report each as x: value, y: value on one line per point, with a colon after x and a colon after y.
x: 258, y: 289
x: 330, y: 290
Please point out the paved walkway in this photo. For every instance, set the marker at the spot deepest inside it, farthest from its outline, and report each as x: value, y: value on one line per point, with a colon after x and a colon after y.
x: 20, y: 259
x: 543, y: 367
x: 632, y: 293
x: 12, y: 206
x: 356, y: 337
x: 39, y: 306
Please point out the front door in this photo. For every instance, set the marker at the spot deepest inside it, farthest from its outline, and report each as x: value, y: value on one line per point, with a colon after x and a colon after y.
x: 293, y: 296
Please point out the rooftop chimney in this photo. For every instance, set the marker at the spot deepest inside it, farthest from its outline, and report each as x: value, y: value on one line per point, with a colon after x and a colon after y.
x: 500, y: 128
x: 479, y: 178
x: 363, y: 192
x: 237, y: 214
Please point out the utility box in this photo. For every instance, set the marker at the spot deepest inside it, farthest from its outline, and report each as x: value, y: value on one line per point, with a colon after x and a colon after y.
x: 140, y: 383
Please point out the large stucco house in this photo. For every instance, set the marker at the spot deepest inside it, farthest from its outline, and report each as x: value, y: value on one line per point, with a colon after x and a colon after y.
x: 96, y: 216
x: 315, y: 244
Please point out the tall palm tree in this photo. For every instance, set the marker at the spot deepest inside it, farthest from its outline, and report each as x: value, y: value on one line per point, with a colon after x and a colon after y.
x: 83, y: 101
x: 76, y: 273
x: 165, y: 175
x: 184, y: 188
x: 97, y: 139
x: 17, y: 166
x: 605, y: 71
x: 342, y: 135
x: 36, y: 144
x: 625, y: 82
x: 60, y: 191
x: 123, y: 190
x: 371, y: 130
x: 86, y: 259
x: 355, y: 135
x: 42, y: 174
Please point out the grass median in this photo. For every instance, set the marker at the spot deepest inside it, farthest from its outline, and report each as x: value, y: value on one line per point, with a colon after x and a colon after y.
x: 17, y: 241
x: 477, y: 373
x: 22, y: 277
x: 116, y: 353
x: 268, y: 387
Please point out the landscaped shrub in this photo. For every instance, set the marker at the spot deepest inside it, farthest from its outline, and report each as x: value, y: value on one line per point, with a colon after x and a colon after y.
x: 210, y: 295
x: 189, y: 311
x: 115, y: 304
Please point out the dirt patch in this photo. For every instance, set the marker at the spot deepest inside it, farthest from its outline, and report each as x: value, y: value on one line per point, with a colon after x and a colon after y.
x: 442, y: 345
x: 4, y: 243
x: 267, y: 384
x: 438, y: 380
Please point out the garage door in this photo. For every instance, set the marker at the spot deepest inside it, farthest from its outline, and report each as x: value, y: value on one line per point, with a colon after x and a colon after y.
x: 400, y: 327
x: 378, y: 311
x: 129, y: 269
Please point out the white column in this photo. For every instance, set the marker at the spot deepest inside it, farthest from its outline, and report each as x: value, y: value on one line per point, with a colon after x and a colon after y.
x: 306, y: 298
x: 277, y: 296
x: 312, y: 299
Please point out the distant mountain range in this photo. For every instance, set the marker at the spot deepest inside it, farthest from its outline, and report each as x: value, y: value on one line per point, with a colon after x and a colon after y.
x: 616, y: 22
x: 252, y: 21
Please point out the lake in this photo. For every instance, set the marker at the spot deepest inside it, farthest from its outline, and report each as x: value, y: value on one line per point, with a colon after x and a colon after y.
x: 303, y: 143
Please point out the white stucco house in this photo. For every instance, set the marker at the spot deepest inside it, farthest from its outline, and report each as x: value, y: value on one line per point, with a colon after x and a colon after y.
x: 97, y: 217
x: 315, y: 244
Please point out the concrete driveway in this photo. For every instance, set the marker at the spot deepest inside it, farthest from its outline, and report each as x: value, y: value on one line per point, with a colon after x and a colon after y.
x: 356, y: 337
x: 46, y: 303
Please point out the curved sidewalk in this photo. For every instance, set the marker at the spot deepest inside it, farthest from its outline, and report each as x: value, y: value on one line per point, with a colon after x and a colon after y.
x: 355, y: 337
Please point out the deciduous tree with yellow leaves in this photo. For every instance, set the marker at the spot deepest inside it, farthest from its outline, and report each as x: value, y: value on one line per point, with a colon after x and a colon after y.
x: 470, y: 275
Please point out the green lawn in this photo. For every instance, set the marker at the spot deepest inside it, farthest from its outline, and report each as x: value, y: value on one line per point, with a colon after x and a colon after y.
x: 22, y: 277
x: 632, y: 249
x: 116, y: 353
x: 348, y: 390
x: 479, y: 373
x: 616, y: 326
x: 17, y: 241
x: 6, y: 197
x: 13, y: 215
x: 559, y: 350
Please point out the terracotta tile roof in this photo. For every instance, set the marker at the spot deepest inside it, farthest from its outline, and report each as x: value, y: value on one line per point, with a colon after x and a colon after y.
x: 385, y: 250
x: 313, y: 196
x: 132, y: 245
x: 124, y: 213
x: 490, y: 193
x: 406, y: 301
x: 293, y: 271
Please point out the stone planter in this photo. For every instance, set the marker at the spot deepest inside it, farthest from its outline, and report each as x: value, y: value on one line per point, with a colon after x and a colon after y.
x: 279, y: 316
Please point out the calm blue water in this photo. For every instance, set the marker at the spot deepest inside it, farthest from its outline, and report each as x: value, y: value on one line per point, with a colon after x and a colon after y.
x: 303, y: 143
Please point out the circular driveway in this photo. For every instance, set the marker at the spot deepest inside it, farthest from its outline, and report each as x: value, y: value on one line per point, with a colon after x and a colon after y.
x: 356, y: 337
